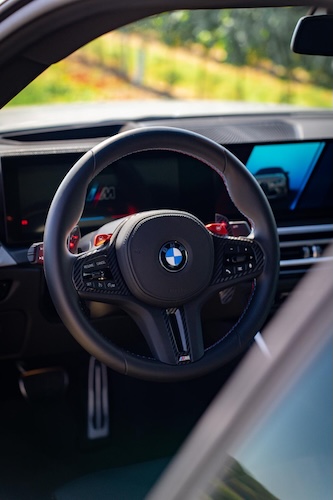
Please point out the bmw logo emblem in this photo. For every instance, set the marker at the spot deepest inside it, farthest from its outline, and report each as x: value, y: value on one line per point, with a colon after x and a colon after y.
x: 173, y: 256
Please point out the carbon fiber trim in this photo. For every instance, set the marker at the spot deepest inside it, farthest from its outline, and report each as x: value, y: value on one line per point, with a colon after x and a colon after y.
x: 166, y: 317
x: 236, y: 258
x: 175, y: 334
x: 119, y: 288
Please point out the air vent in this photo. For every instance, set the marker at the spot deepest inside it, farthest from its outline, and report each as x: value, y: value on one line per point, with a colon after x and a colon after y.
x: 302, y: 246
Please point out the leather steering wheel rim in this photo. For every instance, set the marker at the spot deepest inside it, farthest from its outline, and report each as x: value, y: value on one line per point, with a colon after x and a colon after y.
x: 67, y: 207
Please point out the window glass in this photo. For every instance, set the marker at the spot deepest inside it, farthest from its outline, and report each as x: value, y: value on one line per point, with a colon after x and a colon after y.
x: 290, y: 455
x: 187, y: 55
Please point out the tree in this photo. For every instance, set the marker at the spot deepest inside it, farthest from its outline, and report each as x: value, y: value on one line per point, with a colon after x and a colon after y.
x: 245, y: 37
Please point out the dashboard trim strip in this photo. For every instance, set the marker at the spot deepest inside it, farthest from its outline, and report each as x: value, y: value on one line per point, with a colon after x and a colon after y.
x: 303, y: 262
x: 317, y: 228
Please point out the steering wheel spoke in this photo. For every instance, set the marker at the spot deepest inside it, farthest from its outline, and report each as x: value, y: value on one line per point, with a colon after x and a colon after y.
x: 174, y: 335
x: 96, y: 276
x: 236, y: 260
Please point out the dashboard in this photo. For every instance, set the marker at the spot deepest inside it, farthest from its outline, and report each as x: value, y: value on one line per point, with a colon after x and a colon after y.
x: 291, y: 162
x: 296, y: 177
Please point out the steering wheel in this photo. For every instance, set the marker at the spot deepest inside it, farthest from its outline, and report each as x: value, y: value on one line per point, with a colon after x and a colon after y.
x: 161, y: 266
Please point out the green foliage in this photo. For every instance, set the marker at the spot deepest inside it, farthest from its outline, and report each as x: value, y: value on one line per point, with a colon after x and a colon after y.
x: 223, y: 55
x: 56, y: 85
x: 237, y: 483
x: 245, y: 35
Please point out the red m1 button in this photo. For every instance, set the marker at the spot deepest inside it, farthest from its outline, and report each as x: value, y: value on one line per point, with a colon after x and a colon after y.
x: 100, y: 239
x: 219, y: 228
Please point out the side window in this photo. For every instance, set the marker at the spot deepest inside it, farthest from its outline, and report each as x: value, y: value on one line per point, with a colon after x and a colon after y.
x: 290, y: 455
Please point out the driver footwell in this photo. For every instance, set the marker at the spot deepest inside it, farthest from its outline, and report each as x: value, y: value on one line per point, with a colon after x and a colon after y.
x: 44, y: 440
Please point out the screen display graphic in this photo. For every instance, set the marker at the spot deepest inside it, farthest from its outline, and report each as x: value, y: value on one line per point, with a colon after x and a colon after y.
x: 283, y: 170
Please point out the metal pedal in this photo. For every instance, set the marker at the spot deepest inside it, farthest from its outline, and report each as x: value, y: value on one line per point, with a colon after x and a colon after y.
x: 98, y: 400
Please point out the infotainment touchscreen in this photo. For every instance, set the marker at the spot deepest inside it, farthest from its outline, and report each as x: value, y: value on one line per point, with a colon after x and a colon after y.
x: 283, y: 170
x: 297, y: 177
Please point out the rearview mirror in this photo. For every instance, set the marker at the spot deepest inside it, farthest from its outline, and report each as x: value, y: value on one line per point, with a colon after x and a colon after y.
x: 313, y: 35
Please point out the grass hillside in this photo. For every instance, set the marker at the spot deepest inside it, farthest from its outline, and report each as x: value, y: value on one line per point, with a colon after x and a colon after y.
x: 128, y: 66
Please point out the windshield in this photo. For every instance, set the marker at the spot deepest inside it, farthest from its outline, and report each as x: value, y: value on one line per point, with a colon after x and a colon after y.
x: 229, y: 55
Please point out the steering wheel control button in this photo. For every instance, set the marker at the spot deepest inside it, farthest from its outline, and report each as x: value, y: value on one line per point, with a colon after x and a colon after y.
x: 110, y: 285
x: 239, y: 259
x: 100, y: 239
x: 97, y: 275
x: 36, y: 253
x: 173, y: 256
x: 219, y: 228
x: 74, y: 239
x: 101, y: 263
x: 88, y: 266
